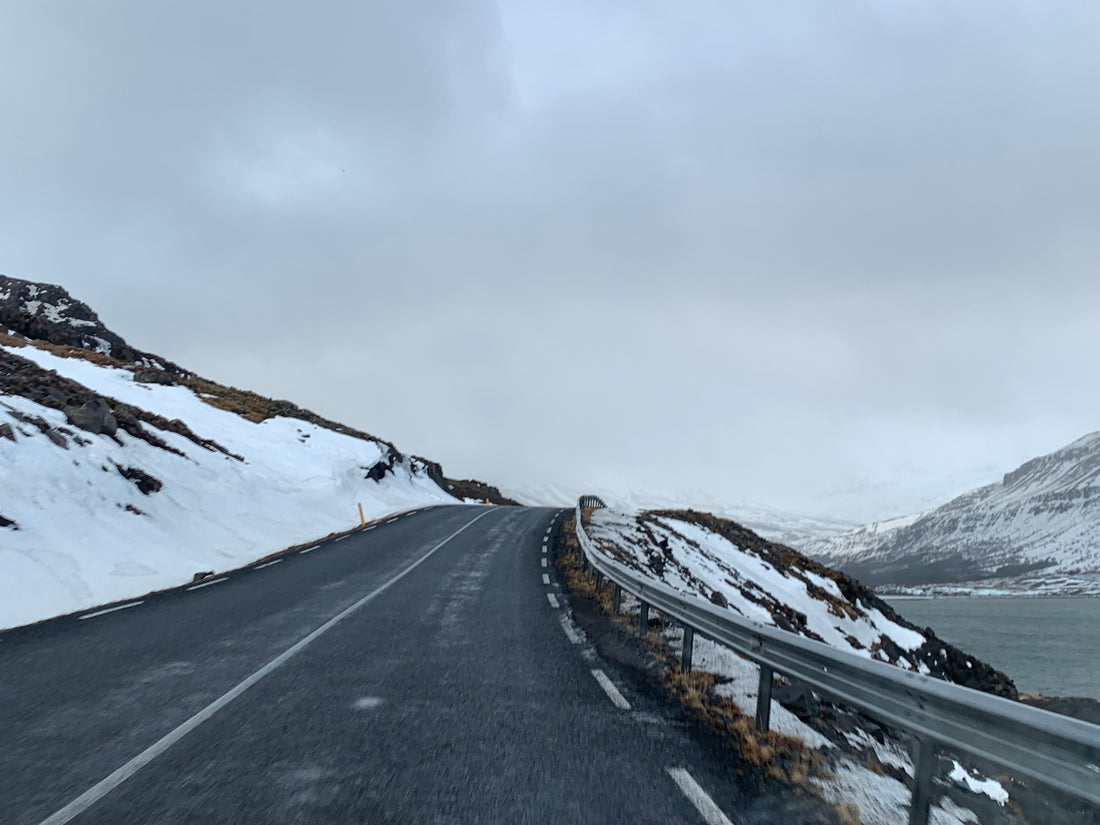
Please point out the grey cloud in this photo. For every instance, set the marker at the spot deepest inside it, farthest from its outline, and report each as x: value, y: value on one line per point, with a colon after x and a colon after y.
x: 765, y: 251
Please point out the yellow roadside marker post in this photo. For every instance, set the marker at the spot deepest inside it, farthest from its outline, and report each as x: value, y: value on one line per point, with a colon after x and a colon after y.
x: 362, y: 521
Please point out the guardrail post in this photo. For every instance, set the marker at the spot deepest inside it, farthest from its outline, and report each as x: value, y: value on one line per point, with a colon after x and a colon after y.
x: 922, y: 782
x: 643, y: 618
x: 688, y: 649
x: 764, y: 700
x: 616, y: 599
x: 599, y: 581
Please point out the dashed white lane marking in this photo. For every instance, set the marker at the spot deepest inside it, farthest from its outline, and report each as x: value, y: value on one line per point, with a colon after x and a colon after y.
x: 544, y: 561
x: 550, y: 597
x: 207, y: 584
x: 109, y: 783
x: 544, y: 549
x: 266, y: 564
x: 341, y: 538
x: 711, y: 813
x: 545, y: 578
x: 612, y: 692
x: 567, y: 626
x: 110, y: 610
x: 370, y: 528
x: 367, y: 703
x: 392, y: 520
x: 308, y: 549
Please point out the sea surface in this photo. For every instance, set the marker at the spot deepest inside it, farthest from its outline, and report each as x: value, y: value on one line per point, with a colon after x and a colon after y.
x: 1048, y: 646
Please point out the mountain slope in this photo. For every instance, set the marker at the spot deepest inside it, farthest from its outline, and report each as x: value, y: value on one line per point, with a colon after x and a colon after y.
x: 1038, y: 527
x: 122, y: 473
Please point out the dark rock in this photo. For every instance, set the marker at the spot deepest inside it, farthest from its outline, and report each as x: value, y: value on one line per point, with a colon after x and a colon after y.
x: 146, y: 483
x: 201, y: 575
x: 798, y: 698
x: 7, y: 432
x: 151, y: 376
x: 94, y: 417
x: 58, y: 396
x: 56, y: 437
x: 7, y: 522
x: 719, y: 599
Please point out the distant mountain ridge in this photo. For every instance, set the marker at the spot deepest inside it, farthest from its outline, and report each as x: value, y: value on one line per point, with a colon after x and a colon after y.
x: 1037, y: 529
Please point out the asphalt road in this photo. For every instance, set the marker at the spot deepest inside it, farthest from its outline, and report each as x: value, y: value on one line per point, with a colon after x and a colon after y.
x: 425, y: 671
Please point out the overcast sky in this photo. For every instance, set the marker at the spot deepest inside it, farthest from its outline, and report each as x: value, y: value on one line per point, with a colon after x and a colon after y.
x: 822, y: 255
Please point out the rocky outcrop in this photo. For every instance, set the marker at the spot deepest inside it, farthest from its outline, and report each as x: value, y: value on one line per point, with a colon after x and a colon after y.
x: 48, y: 313
x: 84, y: 409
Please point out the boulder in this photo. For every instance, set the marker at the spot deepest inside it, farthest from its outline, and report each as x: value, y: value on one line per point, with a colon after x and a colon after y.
x: 7, y: 432
x: 94, y: 417
x: 151, y: 376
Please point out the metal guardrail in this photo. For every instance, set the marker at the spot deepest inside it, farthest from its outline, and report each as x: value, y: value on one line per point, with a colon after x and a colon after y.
x: 1059, y: 751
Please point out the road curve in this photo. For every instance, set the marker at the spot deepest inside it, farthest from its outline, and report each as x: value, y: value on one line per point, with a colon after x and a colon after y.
x: 423, y: 671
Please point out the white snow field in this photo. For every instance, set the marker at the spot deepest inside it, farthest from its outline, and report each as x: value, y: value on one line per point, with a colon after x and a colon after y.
x: 77, y: 545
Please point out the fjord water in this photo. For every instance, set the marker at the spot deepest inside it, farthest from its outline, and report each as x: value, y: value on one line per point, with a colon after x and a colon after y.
x: 1048, y: 646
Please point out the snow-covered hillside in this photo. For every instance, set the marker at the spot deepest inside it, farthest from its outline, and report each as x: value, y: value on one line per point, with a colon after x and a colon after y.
x: 99, y: 517
x: 1037, y: 530
x: 122, y: 473
x: 732, y: 567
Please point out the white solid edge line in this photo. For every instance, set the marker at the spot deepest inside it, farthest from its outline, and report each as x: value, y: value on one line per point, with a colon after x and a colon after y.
x: 550, y: 597
x: 711, y: 813
x: 612, y: 692
x: 116, y: 778
x: 568, y: 628
x: 207, y: 584
x: 109, y: 610
x: 266, y: 564
x: 545, y: 578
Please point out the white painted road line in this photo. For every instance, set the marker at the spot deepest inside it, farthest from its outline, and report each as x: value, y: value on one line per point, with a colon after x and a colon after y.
x: 567, y: 626
x: 109, y: 610
x: 544, y: 561
x: 207, y: 584
x: 341, y: 538
x: 711, y: 813
x: 308, y: 549
x: 544, y: 548
x: 550, y: 597
x: 369, y: 528
x: 545, y: 578
x: 266, y: 564
x: 109, y: 783
x: 392, y: 520
x: 612, y: 692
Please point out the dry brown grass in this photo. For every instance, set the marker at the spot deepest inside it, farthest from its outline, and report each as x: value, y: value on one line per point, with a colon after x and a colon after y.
x: 249, y: 405
x: 63, y: 351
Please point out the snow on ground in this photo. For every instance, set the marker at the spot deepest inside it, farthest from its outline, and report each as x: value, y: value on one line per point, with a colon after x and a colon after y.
x: 698, y: 562
x: 77, y: 544
x: 748, y: 583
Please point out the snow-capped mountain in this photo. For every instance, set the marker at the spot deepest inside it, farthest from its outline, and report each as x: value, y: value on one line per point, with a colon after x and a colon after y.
x: 122, y: 473
x: 1038, y: 528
